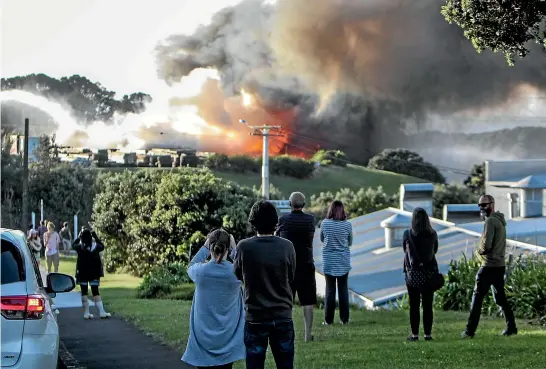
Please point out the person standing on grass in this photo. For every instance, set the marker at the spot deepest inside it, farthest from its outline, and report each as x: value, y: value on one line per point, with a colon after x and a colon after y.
x: 336, y: 233
x: 89, y: 270
x: 420, y: 244
x: 267, y: 266
x: 66, y: 236
x: 42, y: 229
x: 217, y: 314
x: 492, y: 252
x: 299, y: 228
x: 52, y: 241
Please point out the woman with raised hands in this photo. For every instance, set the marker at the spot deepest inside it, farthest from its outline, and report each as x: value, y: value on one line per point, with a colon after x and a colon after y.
x: 217, y: 314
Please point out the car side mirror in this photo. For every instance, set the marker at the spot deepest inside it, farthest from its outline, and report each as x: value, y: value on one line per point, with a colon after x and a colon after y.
x: 59, y: 283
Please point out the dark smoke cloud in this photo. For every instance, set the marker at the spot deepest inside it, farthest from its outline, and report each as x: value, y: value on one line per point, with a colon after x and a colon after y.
x: 367, y: 67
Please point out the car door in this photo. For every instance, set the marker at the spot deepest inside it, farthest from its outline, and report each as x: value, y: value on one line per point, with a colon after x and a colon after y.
x: 14, y: 300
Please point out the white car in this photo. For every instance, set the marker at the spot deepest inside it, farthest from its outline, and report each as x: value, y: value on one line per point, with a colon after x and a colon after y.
x: 30, y: 333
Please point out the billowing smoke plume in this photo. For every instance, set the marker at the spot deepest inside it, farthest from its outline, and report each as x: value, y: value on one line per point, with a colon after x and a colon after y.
x: 354, y: 72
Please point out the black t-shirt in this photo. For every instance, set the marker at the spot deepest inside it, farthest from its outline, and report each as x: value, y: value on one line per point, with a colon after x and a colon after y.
x: 299, y: 228
x: 267, y: 267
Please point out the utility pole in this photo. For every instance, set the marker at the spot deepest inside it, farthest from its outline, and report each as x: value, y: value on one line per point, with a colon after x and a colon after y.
x: 265, y: 132
x: 24, y: 220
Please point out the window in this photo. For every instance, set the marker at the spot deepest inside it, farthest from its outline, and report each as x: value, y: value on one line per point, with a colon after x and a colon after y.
x: 37, y: 270
x: 13, y: 269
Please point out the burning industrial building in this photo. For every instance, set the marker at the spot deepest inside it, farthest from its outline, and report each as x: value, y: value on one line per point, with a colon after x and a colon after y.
x: 352, y: 75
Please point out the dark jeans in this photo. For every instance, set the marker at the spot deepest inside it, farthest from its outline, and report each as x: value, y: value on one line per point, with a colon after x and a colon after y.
x: 330, y: 303
x: 416, y: 296
x: 225, y: 366
x: 486, y: 278
x: 279, y: 334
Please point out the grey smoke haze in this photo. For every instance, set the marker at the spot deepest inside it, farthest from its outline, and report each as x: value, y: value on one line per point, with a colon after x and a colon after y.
x: 370, y: 67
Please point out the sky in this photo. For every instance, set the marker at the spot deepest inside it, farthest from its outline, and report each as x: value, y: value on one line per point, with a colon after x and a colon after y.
x: 109, y: 41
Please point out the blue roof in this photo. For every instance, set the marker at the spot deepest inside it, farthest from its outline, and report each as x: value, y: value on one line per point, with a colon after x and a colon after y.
x: 397, y: 221
x: 377, y: 273
x: 463, y: 208
x: 417, y: 187
x: 517, y: 229
x: 532, y: 181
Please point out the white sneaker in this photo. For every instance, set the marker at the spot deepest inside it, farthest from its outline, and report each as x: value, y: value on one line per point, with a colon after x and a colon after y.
x: 87, y: 316
x: 105, y: 315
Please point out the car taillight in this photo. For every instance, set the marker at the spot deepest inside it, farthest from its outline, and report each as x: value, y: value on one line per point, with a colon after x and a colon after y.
x: 23, y: 307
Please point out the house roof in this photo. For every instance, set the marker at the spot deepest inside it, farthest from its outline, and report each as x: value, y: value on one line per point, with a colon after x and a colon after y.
x: 417, y: 187
x: 378, y: 276
x: 462, y: 208
x: 532, y: 181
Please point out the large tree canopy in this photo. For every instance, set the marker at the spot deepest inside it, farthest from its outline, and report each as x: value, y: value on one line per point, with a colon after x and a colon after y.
x: 89, y: 101
x: 504, y: 26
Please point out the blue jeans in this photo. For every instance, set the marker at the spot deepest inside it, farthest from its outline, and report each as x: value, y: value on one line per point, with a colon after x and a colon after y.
x: 279, y: 334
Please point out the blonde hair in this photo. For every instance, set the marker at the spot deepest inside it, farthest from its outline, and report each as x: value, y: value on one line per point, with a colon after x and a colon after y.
x: 50, y: 226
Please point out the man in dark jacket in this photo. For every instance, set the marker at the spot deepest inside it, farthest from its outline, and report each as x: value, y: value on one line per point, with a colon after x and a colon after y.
x: 491, y: 251
x: 299, y: 228
x: 267, y: 265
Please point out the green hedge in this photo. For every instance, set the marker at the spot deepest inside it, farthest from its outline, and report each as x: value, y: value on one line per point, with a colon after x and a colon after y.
x: 330, y: 157
x: 166, y: 281
x: 283, y: 165
x: 525, y: 287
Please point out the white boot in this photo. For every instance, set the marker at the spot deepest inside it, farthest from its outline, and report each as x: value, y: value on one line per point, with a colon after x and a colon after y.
x: 85, y: 304
x: 100, y: 307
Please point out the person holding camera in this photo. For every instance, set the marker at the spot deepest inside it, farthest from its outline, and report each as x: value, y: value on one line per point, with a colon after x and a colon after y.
x: 217, y: 317
x: 89, y: 269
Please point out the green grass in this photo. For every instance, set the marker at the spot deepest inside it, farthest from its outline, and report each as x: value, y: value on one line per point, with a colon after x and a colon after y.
x: 373, y: 339
x: 327, y: 179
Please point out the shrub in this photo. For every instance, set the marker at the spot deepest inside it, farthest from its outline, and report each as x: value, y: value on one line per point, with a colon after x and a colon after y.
x: 407, y: 162
x: 361, y: 202
x: 525, y: 287
x: 244, y: 164
x: 291, y: 166
x: 330, y: 157
x: 149, y: 218
x: 217, y: 161
x: 161, y: 281
x: 451, y: 194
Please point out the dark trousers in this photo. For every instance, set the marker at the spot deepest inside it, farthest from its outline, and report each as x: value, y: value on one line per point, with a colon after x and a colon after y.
x: 225, y: 366
x: 486, y: 278
x: 343, y: 296
x: 417, y: 296
x: 279, y: 334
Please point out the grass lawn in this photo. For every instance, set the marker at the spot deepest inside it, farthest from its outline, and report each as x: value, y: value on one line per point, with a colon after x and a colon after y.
x: 372, y: 339
x: 327, y: 179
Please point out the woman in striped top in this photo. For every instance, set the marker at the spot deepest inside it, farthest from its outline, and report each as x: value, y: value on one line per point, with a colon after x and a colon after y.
x: 336, y: 233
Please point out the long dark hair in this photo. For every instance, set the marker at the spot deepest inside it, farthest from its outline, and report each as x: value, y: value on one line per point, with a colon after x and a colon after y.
x: 336, y: 211
x: 420, y: 222
x: 219, y: 242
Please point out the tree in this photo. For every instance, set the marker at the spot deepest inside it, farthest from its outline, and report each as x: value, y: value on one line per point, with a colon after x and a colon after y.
x: 501, y: 26
x: 150, y: 218
x: 451, y: 194
x: 406, y: 162
x: 11, y: 190
x: 89, y: 101
x: 476, y: 179
x: 46, y: 153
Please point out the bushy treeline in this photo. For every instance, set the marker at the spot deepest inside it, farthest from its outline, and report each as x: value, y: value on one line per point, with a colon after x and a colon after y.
x: 151, y: 218
x: 283, y: 165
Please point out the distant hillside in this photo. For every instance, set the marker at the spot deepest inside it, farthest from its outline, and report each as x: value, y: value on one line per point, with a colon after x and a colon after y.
x: 461, y: 151
x: 327, y: 179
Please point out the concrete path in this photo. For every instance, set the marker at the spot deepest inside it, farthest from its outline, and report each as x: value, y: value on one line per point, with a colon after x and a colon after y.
x: 113, y: 344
